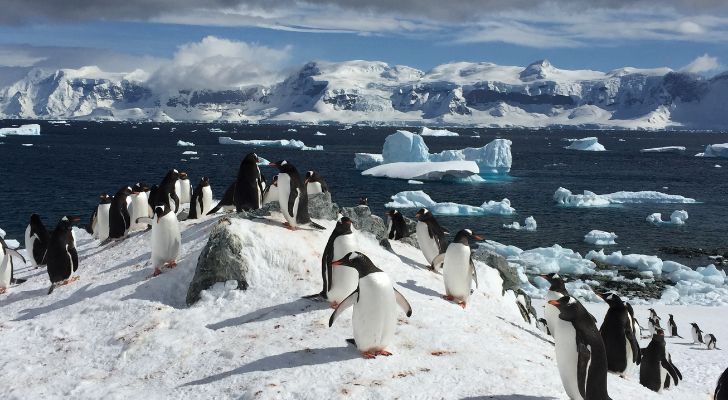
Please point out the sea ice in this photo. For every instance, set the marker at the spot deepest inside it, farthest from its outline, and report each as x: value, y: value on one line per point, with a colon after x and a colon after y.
x: 414, y: 182
x: 183, y: 143
x: 437, y: 132
x: 424, y: 170
x: 22, y: 130
x: 493, y: 158
x: 555, y: 259
x: 404, y: 146
x: 528, y: 225
x: 590, y: 199
x: 715, y: 150
x: 318, y: 133
x: 189, y: 153
x: 586, y: 144
x: 419, y: 199
x: 293, y: 144
x: 650, y: 266
x: 367, y: 160
x: 678, y: 217
x: 600, y: 238
x: 668, y: 149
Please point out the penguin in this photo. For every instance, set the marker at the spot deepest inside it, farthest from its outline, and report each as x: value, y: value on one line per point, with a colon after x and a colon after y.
x: 183, y: 188
x: 656, y: 368
x: 672, y: 327
x: 580, y: 353
x: 152, y: 198
x: 6, y: 266
x: 430, y: 236
x: 119, y: 218
x: 249, y: 184
x: 315, y: 183
x: 543, y: 326
x: 36, y: 241
x: 363, y: 201
x: 721, y: 389
x: 697, y: 333
x: 523, y: 301
x: 375, y: 301
x: 270, y: 194
x: 166, y: 239
x: 139, y: 206
x: 397, y: 225
x: 341, y: 281
x: 653, y: 314
x: 617, y: 331
x: 653, y: 323
x: 292, y: 195
x: 459, y: 269
x: 556, y: 291
x: 201, y: 201
x: 227, y: 202
x: 62, y: 256
x: 100, y: 218
x: 710, y: 341
x: 636, y: 327
x: 165, y: 193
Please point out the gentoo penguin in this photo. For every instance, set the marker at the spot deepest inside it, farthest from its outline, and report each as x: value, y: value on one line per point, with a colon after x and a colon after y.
x: 543, y: 326
x: 249, y: 184
x: 580, y: 353
x: 183, y: 188
x: 139, y: 206
x: 341, y: 281
x: 363, y: 201
x: 458, y: 269
x: 119, y: 218
x: 636, y: 327
x: 315, y: 183
x: 165, y: 193
x: 6, y: 266
x: 397, y: 225
x: 270, y: 194
x: 62, y: 256
x: 556, y: 291
x: 653, y: 313
x: 523, y: 301
x: 656, y: 369
x: 653, y: 323
x: 292, y: 195
x: 721, y: 389
x: 430, y: 235
x: 710, y: 341
x: 201, y: 202
x: 672, y: 327
x: 375, y: 303
x: 152, y: 196
x: 99, y: 225
x: 697, y: 333
x: 166, y: 238
x: 36, y: 241
x: 227, y: 202
x: 620, y: 342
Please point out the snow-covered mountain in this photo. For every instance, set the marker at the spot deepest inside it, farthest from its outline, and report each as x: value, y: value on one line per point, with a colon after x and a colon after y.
x: 463, y: 93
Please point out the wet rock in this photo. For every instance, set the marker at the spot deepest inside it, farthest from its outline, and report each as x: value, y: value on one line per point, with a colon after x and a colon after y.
x: 364, y: 220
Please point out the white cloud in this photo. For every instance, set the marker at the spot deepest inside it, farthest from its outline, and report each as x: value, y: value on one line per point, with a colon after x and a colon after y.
x: 702, y: 64
x: 18, y: 58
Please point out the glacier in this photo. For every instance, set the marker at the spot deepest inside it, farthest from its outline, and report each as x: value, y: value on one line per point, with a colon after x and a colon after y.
x: 420, y: 199
x: 586, y: 144
x: 22, y: 130
x: 293, y: 144
x: 426, y: 171
x: 564, y: 197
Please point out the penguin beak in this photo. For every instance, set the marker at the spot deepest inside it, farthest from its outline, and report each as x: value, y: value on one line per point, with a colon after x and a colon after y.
x: 272, y: 164
x: 477, y: 237
x: 337, y: 263
x: 554, y: 302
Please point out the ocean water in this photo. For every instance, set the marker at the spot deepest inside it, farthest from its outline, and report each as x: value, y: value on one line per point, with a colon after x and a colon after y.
x: 68, y: 166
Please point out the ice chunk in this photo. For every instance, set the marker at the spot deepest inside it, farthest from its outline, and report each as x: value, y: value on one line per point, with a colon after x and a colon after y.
x: 2, y: 234
x: 600, y: 238
x: 590, y: 199
x: 528, y: 225
x: 651, y: 266
x: 555, y: 259
x: 318, y: 133
x: 22, y: 130
x: 715, y: 150
x: 424, y: 170
x: 718, y: 166
x: 414, y: 182
x: 367, y: 160
x: 216, y: 130
x: 189, y: 153
x: 27, y: 144
x: 493, y: 158
x: 667, y: 149
x: 404, y: 146
x: 183, y: 143
x: 678, y: 217
x: 586, y: 144
x: 292, y: 143
x: 419, y: 199
x: 437, y: 132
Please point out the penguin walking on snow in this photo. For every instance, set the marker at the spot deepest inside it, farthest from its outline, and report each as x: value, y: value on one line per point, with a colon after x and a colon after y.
x: 201, y: 201
x: 543, y: 326
x: 580, y: 353
x: 270, y: 194
x: 657, y: 371
x: 62, y: 256
x: 36, y: 241
x: 710, y: 341
x: 458, y: 268
x: 721, y: 389
x: 397, y: 225
x: 292, y: 196
x: 430, y: 236
x: 139, y: 206
x: 119, y: 218
x: 7, y: 269
x: 620, y: 342
x: 99, y: 226
x: 315, y: 184
x: 342, y: 280
x: 375, y: 306
x: 183, y: 188
x: 166, y: 239
x: 653, y: 323
x: 697, y: 333
x: 672, y: 327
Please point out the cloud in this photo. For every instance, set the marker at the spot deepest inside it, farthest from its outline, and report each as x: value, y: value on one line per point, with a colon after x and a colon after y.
x: 702, y: 64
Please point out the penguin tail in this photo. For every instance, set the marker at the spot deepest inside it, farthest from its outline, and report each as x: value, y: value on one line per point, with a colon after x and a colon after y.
x: 17, y: 281
x: 50, y: 290
x: 216, y: 209
x: 317, y: 226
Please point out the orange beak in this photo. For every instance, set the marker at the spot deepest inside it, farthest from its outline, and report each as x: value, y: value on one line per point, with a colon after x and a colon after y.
x: 476, y: 237
x: 337, y: 263
x: 554, y: 302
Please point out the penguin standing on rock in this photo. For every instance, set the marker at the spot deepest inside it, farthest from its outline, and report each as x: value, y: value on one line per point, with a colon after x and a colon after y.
x: 397, y: 225
x: 36, y: 241
x: 246, y: 193
x: 458, y: 268
x: 315, y: 183
x: 375, y: 304
x: 341, y: 281
x: 7, y: 270
x: 292, y: 196
x: 657, y: 370
x: 580, y: 353
x: 201, y: 202
x: 672, y: 327
x: 62, y: 256
x: 430, y: 236
x: 119, y: 218
x: 620, y: 342
x: 166, y: 238
x: 697, y: 333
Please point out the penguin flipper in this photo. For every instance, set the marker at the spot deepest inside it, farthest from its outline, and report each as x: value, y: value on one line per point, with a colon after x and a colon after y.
x: 475, y: 272
x: 14, y: 253
x: 634, y: 344
x: 584, y: 356
x: 670, y: 370
x: 144, y: 220
x: 349, y: 301
x: 402, y: 302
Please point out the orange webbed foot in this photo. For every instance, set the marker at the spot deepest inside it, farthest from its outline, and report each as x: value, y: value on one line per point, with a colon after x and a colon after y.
x: 368, y: 355
x: 383, y: 353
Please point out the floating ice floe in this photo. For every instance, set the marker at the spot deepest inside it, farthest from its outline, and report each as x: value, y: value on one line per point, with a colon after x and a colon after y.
x: 717, y: 166
x: 649, y: 266
x: 156, y: 128
x: 59, y: 122
x: 404, y: 146
x: 367, y: 160
x: 22, y: 130
x: 667, y: 149
x: 715, y: 150
x: 678, y: 217
x: 437, y: 132
x: 292, y: 130
x: 292, y: 144
x: 564, y: 196
x: 216, y: 130
x: 414, y: 182
x: 189, y: 152
x: 183, y: 143
x: 528, y: 225
x: 427, y: 171
x: 420, y: 199
x: 586, y: 144
x: 319, y: 133
x: 493, y: 158
x: 600, y: 238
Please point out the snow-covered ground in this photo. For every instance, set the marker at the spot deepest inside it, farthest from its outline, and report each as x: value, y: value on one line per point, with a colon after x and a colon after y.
x: 116, y: 333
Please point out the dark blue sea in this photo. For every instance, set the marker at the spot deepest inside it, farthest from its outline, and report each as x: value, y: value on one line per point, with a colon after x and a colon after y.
x: 68, y: 166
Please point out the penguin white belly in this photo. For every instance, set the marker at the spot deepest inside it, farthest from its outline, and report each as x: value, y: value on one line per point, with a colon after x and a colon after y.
x: 6, y: 273
x: 428, y: 245
x: 663, y: 377
x: 567, y: 358
x: 271, y: 195
x: 185, y: 192
x: 695, y: 335
x: 139, y: 208
x: 102, y: 222
x: 166, y: 240
x: 29, y: 244
x: 313, y: 188
x: 284, y: 191
x: 551, y: 314
x: 375, y: 314
x: 206, y: 202
x: 344, y: 280
x: 178, y: 191
x: 630, y: 359
x: 456, y: 273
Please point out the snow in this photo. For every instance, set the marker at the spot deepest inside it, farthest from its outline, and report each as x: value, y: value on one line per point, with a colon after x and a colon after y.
x: 600, y: 238
x: 715, y: 150
x: 528, y: 225
x: 668, y: 149
x: 424, y: 170
x: 367, y: 160
x: 564, y: 197
x: 420, y: 199
x: 404, y: 146
x: 493, y: 158
x: 292, y: 143
x: 437, y: 132
x: 678, y: 217
x: 22, y: 130
x: 586, y: 144
x: 183, y: 143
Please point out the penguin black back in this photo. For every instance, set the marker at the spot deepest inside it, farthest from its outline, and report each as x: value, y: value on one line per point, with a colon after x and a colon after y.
x: 433, y: 227
x: 39, y: 249
x: 62, y: 256
x: 399, y: 225
x: 617, y: 333
x: 197, y: 198
x: 166, y: 191
x: 248, y: 184
x: 119, y: 218
x: 314, y: 176
x: 654, y: 358
x: 721, y: 390
x: 343, y: 227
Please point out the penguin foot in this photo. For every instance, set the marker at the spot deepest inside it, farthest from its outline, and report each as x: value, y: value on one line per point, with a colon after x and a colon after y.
x: 156, y: 272
x: 171, y: 264
x: 334, y: 305
x: 3, y: 290
x: 462, y: 304
x: 383, y: 353
x: 368, y: 354
x: 448, y: 297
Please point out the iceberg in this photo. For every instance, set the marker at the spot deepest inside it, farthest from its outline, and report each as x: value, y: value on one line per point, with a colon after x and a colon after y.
x: 367, y: 160
x: 427, y: 171
x: 22, y: 130
x: 183, y: 143
x: 493, y: 158
x: 678, y: 217
x: 420, y: 199
x: 216, y: 130
x: 318, y: 133
x: 404, y: 146
x: 437, y: 132
x: 555, y: 259
x: 600, y: 238
x: 189, y: 153
x: 414, y: 182
x: 292, y: 144
x: 528, y: 225
x: 588, y: 199
x: 649, y: 266
x: 586, y: 144
x: 564, y: 197
x: 715, y: 150
x: 668, y: 149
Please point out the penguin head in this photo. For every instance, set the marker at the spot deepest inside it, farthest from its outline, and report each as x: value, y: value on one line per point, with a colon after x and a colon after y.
x: 204, y: 181
x: 35, y: 219
x: 104, y: 198
x: 358, y: 261
x: 557, y: 283
x: 159, y: 212
x: 66, y: 222
x: 283, y: 166
x: 183, y: 175
x: 422, y: 214
x: 363, y: 201
x: 567, y: 306
x: 172, y: 174
x: 251, y: 158
x: 274, y: 182
x: 611, y: 298
x: 465, y: 236
x: 343, y: 226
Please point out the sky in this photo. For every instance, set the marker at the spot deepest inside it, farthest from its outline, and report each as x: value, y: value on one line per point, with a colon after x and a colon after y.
x: 233, y: 42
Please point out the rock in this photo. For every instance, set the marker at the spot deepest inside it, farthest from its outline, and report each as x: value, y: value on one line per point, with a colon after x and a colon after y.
x: 509, y: 274
x: 386, y: 245
x: 321, y: 207
x: 364, y: 220
x: 410, y: 240
x: 219, y: 261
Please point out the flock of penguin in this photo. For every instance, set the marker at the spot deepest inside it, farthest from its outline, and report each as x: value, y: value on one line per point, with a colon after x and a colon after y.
x: 584, y: 354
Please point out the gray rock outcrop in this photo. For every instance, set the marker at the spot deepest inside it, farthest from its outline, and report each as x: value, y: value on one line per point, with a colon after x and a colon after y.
x: 508, y: 274
x: 321, y: 207
x: 364, y: 220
